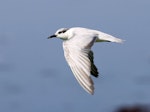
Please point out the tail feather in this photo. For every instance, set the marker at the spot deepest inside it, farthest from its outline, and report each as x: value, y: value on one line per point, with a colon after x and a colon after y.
x: 103, y: 37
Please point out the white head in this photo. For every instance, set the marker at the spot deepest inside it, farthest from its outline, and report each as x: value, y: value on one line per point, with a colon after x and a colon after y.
x: 61, y: 33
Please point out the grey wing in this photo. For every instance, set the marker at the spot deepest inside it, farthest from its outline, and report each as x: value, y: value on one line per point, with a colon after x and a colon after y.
x: 80, y: 61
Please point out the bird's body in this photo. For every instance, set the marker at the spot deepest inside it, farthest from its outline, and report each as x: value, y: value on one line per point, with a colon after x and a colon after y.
x: 77, y: 50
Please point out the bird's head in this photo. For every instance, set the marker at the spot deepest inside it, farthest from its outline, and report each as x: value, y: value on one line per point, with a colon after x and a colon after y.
x: 61, y: 33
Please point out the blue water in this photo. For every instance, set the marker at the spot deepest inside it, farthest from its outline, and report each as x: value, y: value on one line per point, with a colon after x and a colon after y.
x: 34, y: 76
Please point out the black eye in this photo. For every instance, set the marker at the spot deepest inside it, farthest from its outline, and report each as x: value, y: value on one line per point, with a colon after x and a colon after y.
x: 60, y: 32
x: 63, y: 31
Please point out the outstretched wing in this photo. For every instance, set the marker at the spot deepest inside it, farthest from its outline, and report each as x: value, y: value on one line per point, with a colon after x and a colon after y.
x: 79, y: 56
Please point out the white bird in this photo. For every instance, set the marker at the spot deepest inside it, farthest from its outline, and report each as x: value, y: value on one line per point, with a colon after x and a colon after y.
x: 77, y: 51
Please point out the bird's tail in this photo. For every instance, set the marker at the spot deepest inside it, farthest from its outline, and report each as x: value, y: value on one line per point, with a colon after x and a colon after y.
x: 103, y: 37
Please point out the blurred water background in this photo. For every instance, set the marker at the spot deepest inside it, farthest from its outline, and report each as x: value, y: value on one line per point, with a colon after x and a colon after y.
x: 34, y: 76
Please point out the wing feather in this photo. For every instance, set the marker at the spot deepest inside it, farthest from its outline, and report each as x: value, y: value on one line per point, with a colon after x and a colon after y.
x: 80, y: 63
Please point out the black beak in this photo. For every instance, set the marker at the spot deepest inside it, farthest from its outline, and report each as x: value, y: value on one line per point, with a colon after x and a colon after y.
x: 51, y: 36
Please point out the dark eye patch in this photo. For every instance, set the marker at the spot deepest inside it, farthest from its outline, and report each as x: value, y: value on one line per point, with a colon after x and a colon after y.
x: 63, y: 31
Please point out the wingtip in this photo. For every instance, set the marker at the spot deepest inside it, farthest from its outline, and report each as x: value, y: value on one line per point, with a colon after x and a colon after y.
x: 117, y: 40
x: 92, y: 93
x: 122, y: 41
